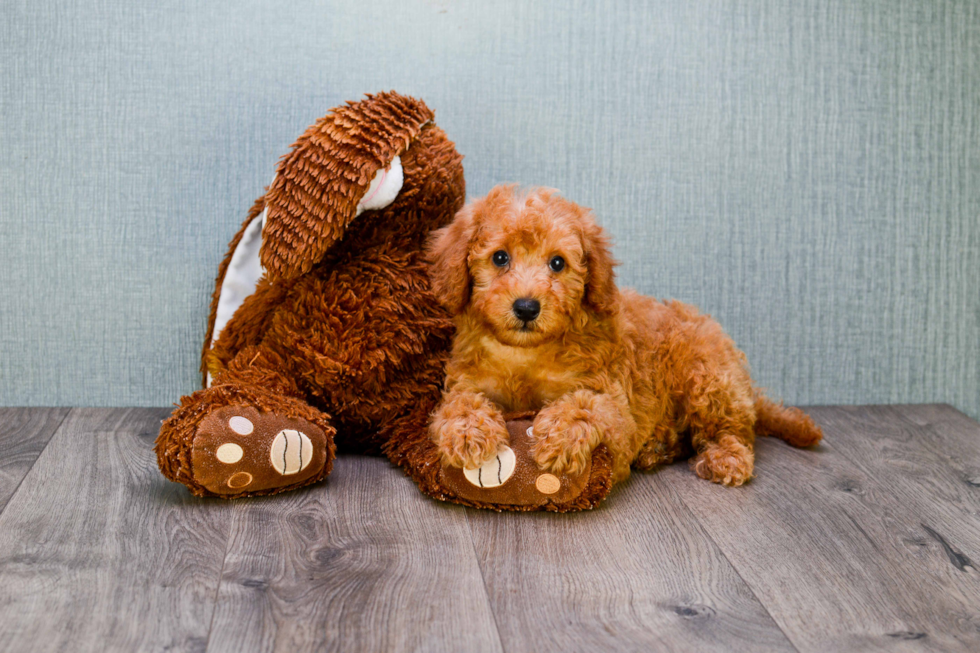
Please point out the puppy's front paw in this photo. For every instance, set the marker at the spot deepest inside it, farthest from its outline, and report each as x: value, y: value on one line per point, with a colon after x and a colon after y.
x: 727, y: 461
x: 468, y: 431
x: 563, y: 439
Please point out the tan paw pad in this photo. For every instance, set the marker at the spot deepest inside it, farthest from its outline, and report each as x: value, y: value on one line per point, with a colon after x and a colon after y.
x: 241, y: 425
x: 291, y: 452
x: 547, y: 484
x: 229, y: 453
x: 239, y: 480
x: 496, y: 471
x: 512, y: 477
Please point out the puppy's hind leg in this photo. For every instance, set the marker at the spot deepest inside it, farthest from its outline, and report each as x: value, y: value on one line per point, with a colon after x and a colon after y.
x: 662, y: 448
x: 720, y: 416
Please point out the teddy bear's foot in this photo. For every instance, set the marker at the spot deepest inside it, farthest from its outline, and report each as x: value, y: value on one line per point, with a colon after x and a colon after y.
x: 512, y: 480
x: 238, y: 450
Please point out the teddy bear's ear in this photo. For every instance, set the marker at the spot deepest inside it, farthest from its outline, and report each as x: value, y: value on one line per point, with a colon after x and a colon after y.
x: 344, y: 164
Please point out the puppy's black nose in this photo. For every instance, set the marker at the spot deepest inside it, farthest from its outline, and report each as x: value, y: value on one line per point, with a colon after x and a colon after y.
x: 526, y: 309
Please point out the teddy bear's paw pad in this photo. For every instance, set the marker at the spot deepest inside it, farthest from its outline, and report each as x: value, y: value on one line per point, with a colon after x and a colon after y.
x: 238, y: 450
x: 496, y: 471
x: 512, y: 478
x: 291, y: 452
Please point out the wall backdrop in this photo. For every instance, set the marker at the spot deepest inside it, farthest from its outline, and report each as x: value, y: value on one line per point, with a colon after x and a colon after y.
x: 807, y: 171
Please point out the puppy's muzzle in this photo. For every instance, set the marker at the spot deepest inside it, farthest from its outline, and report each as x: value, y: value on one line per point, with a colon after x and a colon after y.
x: 526, y: 309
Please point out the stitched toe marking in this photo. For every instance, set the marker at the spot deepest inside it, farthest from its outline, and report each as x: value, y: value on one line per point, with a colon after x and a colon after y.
x: 291, y: 452
x: 239, y: 480
x: 494, y: 472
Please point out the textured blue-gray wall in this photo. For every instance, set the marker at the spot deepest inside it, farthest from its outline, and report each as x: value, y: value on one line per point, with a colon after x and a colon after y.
x: 806, y: 171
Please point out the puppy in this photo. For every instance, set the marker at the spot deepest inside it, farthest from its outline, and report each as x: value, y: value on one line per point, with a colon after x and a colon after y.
x: 541, y: 326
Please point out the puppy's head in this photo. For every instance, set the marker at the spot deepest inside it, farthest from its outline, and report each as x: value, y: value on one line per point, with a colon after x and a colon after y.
x: 524, y: 263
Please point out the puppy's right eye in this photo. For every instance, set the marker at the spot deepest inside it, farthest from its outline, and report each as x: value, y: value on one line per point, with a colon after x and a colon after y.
x: 501, y: 258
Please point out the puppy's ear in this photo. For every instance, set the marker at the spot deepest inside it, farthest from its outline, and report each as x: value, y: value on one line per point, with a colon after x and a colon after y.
x: 601, y: 293
x: 446, y: 251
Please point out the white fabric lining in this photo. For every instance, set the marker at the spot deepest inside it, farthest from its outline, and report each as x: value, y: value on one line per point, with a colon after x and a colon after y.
x: 242, y: 275
x: 383, y: 189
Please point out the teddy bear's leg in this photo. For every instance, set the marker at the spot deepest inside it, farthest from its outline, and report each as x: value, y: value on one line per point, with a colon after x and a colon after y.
x: 410, y: 444
x: 250, y: 433
x: 524, y: 488
x: 720, y: 416
x: 407, y: 444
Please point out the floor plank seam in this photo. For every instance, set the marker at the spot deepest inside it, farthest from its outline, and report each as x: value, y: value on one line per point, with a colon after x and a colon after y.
x: 738, y: 573
x: 217, y: 588
x: 483, y: 579
x: 38, y: 457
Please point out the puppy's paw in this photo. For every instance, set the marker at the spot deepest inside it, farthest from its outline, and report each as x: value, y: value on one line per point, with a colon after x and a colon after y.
x: 727, y: 461
x: 469, y: 441
x: 563, y: 439
x: 467, y: 430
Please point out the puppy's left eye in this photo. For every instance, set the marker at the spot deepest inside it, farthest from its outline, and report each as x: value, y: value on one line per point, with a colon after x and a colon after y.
x: 557, y: 264
x: 500, y: 258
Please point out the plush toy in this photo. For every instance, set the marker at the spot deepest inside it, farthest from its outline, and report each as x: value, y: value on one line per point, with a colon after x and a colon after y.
x: 324, y: 332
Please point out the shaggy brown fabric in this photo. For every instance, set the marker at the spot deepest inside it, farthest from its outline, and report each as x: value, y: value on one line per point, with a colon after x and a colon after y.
x: 327, y: 172
x: 343, y: 332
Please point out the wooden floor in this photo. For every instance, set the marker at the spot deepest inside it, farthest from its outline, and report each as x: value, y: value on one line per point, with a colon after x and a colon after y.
x: 868, y: 542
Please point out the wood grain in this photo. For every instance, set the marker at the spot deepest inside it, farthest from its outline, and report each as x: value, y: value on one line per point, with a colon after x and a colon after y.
x: 950, y: 435
x: 24, y: 432
x: 836, y: 547
x: 363, y: 562
x: 99, y: 552
x: 922, y: 457
x: 870, y: 542
x: 638, y: 573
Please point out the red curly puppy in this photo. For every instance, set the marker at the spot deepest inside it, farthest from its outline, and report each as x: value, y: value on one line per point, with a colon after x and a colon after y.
x: 541, y: 326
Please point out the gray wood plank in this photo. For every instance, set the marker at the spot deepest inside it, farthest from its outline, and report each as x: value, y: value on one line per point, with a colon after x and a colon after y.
x: 638, y: 573
x: 952, y: 436
x: 99, y: 552
x: 361, y: 563
x: 833, y: 543
x: 24, y: 432
x: 922, y: 455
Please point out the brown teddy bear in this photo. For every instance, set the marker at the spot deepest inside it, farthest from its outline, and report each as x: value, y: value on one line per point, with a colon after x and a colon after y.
x: 324, y: 331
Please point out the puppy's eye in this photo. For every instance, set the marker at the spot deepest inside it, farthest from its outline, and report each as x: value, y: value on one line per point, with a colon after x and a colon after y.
x: 501, y: 258
x: 557, y: 264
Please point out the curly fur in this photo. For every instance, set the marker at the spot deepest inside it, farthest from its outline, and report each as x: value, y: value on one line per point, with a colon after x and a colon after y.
x: 652, y: 381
